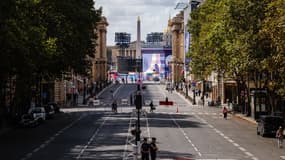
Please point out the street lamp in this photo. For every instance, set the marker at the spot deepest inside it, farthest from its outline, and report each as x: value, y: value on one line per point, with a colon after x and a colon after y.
x: 138, y: 103
x: 84, y: 90
x: 194, y: 96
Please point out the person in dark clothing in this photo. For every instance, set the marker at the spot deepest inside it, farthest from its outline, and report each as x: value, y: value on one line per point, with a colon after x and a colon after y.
x: 153, y: 149
x: 225, y: 112
x: 114, y: 107
x: 145, y: 149
x: 151, y: 106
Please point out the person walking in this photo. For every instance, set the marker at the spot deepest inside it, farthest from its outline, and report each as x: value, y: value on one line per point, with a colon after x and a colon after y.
x: 153, y: 149
x: 145, y: 149
x: 114, y: 107
x: 151, y: 106
x: 225, y: 112
x: 279, y: 136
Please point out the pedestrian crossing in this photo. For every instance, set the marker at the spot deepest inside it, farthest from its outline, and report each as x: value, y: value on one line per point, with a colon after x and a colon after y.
x: 195, y: 113
x: 194, y: 159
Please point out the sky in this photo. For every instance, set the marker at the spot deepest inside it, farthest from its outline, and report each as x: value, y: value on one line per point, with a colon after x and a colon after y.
x: 122, y: 16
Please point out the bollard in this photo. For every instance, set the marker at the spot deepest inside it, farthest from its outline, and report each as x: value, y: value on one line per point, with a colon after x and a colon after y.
x: 135, y: 152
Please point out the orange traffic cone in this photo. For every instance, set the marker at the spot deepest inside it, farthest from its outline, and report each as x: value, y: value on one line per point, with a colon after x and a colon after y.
x: 177, y: 109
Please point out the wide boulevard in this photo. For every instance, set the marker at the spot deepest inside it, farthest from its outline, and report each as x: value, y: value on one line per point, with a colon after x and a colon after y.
x: 183, y: 131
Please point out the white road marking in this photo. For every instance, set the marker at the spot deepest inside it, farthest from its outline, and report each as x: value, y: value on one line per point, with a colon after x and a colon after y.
x: 92, y: 138
x: 196, y: 159
x: 242, y: 149
x: 248, y: 153
x: 127, y: 140
x: 36, y: 150
x: 187, y: 137
x: 282, y: 157
x: 147, y: 126
x: 235, y: 144
x: 221, y: 134
x: 29, y: 155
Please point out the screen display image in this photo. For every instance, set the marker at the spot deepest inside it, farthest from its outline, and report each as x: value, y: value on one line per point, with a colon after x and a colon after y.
x: 153, y: 66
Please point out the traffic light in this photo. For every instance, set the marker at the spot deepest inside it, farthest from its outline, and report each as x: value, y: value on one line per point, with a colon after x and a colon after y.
x: 138, y: 101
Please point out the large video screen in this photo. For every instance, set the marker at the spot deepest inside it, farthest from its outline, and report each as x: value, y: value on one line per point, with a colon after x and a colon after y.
x: 155, y: 66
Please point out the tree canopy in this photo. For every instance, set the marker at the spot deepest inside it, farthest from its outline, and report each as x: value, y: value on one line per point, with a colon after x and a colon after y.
x: 43, y: 39
x: 238, y: 37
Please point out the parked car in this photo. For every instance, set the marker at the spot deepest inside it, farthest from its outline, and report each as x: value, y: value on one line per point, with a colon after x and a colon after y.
x: 156, y: 79
x: 56, y: 106
x: 93, y: 101
x: 38, y: 113
x: 169, y: 86
x: 49, y: 111
x: 268, y: 125
x: 27, y: 120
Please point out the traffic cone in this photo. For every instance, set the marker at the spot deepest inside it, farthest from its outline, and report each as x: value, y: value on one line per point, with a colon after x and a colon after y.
x: 177, y: 109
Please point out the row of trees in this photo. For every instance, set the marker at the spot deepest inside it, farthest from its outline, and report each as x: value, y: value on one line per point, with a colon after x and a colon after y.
x: 43, y: 40
x: 240, y: 40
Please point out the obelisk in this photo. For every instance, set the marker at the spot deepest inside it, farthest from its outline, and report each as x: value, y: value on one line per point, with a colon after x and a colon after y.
x: 138, y: 44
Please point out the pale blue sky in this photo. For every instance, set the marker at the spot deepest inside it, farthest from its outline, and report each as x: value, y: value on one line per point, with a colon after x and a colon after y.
x: 122, y: 16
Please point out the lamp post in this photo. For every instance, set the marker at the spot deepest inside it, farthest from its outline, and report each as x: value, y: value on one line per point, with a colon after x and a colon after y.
x: 203, y: 93
x: 84, y: 90
x: 138, y: 102
x: 194, y: 97
x: 186, y: 88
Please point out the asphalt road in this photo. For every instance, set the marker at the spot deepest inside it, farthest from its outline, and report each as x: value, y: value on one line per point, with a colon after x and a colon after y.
x: 182, y: 131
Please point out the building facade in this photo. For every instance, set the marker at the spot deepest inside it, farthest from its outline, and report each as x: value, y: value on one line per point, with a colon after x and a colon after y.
x: 177, y: 61
x: 99, y: 63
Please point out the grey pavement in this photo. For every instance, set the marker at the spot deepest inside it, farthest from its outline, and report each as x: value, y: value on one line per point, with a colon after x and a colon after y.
x: 237, y: 115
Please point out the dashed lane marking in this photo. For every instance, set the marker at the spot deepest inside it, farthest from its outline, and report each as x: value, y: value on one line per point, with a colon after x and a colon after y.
x: 186, y: 136
x: 228, y: 139
x: 125, y: 156
x: 92, y: 138
x: 231, y: 141
x: 29, y: 155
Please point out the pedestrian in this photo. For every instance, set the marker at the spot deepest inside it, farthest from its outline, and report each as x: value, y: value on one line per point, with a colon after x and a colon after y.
x: 114, y: 107
x: 225, y: 112
x: 153, y: 149
x: 145, y: 149
x: 279, y: 136
x: 151, y: 106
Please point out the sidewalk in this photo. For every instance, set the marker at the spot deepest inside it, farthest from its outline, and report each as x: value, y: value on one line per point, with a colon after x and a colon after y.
x: 4, y: 127
x: 241, y: 116
x: 198, y: 102
x: 80, y: 97
x: 4, y: 130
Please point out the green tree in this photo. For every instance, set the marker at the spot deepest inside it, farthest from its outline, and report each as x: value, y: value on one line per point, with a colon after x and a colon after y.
x: 273, y: 30
x: 225, y: 37
x: 41, y: 40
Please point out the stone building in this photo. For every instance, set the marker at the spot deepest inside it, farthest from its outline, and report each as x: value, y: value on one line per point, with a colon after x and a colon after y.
x: 177, y: 62
x: 99, y: 63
